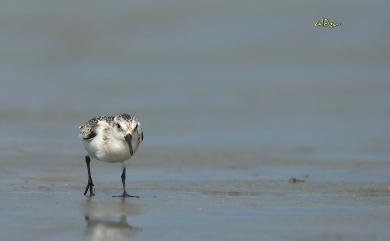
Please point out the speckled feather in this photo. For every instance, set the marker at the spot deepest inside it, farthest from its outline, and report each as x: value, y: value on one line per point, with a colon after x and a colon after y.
x: 126, y: 117
x: 87, y: 130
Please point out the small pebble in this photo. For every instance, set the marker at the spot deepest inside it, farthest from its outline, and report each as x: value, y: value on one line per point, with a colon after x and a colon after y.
x: 295, y: 180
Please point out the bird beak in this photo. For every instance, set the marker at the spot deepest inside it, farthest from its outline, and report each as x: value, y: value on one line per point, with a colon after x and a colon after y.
x: 128, y: 139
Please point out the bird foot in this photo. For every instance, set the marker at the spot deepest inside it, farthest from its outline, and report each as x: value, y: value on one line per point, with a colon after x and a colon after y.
x: 126, y: 195
x: 91, y: 188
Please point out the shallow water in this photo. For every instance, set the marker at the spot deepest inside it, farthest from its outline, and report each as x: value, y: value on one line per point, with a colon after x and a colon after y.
x: 235, y: 99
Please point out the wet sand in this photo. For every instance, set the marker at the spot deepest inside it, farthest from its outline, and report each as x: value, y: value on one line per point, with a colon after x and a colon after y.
x: 236, y: 98
x: 192, y: 204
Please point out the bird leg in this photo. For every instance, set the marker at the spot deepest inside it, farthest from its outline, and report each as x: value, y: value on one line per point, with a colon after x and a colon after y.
x: 125, y: 194
x: 90, y: 185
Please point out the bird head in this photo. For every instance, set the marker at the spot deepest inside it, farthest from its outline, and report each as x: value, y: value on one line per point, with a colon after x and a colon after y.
x: 127, y: 127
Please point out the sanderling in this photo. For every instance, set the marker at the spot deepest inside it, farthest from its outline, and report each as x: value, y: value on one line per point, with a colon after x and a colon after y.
x: 111, y: 139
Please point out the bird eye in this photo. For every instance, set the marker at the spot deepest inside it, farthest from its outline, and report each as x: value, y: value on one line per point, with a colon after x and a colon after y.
x: 118, y: 126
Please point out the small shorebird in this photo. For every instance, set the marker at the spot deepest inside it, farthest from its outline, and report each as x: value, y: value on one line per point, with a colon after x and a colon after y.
x: 111, y: 139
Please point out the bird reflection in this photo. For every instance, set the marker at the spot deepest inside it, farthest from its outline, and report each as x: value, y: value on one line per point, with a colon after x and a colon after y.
x: 108, y: 220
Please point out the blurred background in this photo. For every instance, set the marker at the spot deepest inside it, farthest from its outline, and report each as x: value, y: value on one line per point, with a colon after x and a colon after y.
x: 216, y: 84
x: 235, y: 98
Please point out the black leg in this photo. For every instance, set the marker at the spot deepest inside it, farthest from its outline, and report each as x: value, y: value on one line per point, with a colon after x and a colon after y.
x: 90, y: 185
x: 125, y: 194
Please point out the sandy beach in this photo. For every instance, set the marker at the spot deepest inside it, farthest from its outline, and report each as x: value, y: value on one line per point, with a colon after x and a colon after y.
x: 258, y: 125
x: 190, y: 203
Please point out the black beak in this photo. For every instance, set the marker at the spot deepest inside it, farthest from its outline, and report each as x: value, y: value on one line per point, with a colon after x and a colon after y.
x: 128, y: 139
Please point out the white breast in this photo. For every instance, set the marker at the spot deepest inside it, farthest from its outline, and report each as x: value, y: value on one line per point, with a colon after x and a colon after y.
x: 106, y: 148
x: 109, y: 151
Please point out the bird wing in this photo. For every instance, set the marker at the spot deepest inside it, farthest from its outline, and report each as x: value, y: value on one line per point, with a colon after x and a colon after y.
x: 88, y: 129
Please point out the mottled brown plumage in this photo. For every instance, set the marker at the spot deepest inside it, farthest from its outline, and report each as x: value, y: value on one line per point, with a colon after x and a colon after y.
x: 126, y: 116
x: 87, y: 130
